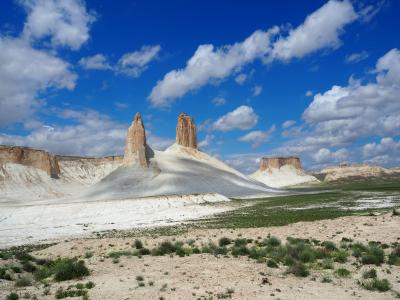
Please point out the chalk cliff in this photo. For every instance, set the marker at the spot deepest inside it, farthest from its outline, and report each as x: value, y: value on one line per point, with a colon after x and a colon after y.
x: 278, y: 162
x: 30, y: 157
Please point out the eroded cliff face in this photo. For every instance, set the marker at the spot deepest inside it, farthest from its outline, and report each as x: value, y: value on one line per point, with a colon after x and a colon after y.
x: 30, y: 157
x: 186, y: 133
x: 136, y: 149
x: 267, y: 163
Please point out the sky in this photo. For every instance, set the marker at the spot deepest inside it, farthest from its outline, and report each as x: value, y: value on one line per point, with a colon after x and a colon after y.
x: 315, y: 79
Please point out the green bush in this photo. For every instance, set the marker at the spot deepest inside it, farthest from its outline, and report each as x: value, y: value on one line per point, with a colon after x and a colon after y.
x: 340, y: 256
x: 369, y: 274
x: 61, y: 294
x: 374, y: 255
x: 329, y: 245
x: 375, y: 284
x: 4, y: 274
x: 166, y: 247
x: 67, y: 268
x: 12, y: 296
x: 307, y: 255
x: 89, y: 285
x: 23, y: 281
x: 341, y: 272
x: 272, y: 263
x: 240, y: 242
x: 224, y: 241
x: 138, y: 244
x: 299, y: 270
x: 327, y: 263
x: 272, y: 242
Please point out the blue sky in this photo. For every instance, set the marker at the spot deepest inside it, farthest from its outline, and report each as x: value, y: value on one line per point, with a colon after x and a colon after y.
x: 317, y: 79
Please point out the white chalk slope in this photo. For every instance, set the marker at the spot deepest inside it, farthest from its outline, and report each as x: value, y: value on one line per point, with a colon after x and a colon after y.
x: 178, y: 186
x: 177, y: 170
x: 286, y: 175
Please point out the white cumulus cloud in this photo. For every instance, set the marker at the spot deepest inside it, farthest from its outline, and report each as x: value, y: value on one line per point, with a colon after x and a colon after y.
x: 258, y: 137
x: 95, y: 62
x: 65, y: 22
x: 242, y: 117
x: 24, y: 72
x: 320, y: 30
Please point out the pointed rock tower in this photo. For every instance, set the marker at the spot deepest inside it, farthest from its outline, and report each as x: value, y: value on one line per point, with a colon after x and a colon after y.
x: 136, y: 151
x: 186, y: 133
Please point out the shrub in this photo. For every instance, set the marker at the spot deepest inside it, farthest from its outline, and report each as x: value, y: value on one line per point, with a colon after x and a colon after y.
x: 67, y: 268
x: 329, y: 245
x: 369, y: 274
x: 241, y: 250
x: 340, y: 256
x: 327, y: 264
x: 358, y: 249
x: 138, y: 244
x: 272, y: 242
x: 89, y: 285
x: 343, y: 272
x: 60, y: 294
x: 144, y: 251
x: 12, y: 296
x: 272, y: 263
x: 394, y: 256
x: 240, y: 242
x: 166, y: 247
x: 376, y: 284
x: 28, y: 266
x: 375, y: 255
x: 23, y: 281
x: 16, y: 269
x: 307, y: 255
x: 224, y: 241
x: 299, y: 270
x: 88, y: 254
x: 4, y: 274
x: 288, y: 261
x: 139, y: 278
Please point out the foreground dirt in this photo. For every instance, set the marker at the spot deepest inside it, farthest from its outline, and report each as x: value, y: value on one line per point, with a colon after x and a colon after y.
x: 204, y: 276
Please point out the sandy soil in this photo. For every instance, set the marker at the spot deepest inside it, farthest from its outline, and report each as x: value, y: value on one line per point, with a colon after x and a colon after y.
x: 204, y: 275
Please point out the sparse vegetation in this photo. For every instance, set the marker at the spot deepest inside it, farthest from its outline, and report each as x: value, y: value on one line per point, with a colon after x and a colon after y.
x: 371, y: 273
x: 342, y: 272
x: 12, y: 296
x: 375, y: 284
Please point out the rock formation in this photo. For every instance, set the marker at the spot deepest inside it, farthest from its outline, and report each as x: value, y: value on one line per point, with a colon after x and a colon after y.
x: 30, y: 157
x: 186, y: 134
x: 136, y: 149
x: 267, y: 163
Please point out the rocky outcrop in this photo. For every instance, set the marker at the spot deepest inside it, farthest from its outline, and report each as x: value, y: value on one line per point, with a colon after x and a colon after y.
x: 92, y: 160
x: 30, y: 157
x: 186, y: 133
x: 268, y: 163
x: 136, y: 149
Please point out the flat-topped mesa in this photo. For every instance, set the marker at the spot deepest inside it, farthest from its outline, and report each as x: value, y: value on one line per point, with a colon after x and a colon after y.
x: 186, y: 133
x: 30, y: 157
x: 136, y: 147
x: 268, y: 163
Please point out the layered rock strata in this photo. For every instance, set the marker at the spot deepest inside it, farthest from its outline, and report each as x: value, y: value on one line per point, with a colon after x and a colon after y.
x: 136, y: 149
x: 186, y: 133
x: 30, y: 157
x: 268, y: 163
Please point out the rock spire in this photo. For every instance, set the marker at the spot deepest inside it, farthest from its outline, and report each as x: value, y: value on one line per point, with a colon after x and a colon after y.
x: 186, y: 133
x: 136, y: 149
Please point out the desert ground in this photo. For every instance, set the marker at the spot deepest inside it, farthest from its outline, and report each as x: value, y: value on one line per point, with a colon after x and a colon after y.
x: 233, y: 254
